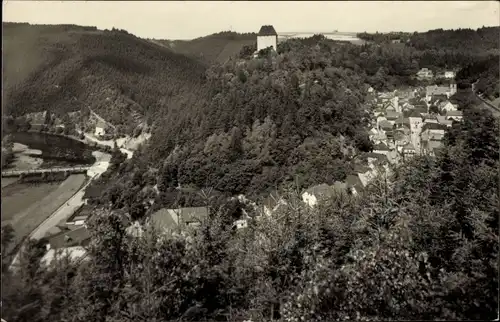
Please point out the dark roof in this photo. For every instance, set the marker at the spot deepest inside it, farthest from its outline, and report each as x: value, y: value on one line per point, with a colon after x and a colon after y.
x: 381, y: 147
x: 391, y: 115
x: 380, y: 157
x: 433, y: 126
x: 267, y: 30
x: 82, y: 211
x: 439, y: 97
x: 454, y: 113
x: 69, y: 238
x: 359, y: 168
x: 408, y: 146
x: 170, y: 218
x: 416, y: 113
x: 353, y: 181
x: 321, y: 190
x: 385, y: 124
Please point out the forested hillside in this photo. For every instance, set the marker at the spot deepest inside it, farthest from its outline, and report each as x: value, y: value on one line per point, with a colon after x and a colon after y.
x: 215, y: 48
x: 69, y: 68
x: 422, y: 245
x: 268, y: 121
x: 484, y: 74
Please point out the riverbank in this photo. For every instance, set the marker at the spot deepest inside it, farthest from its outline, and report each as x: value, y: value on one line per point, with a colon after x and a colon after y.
x: 32, y: 204
x: 70, y: 204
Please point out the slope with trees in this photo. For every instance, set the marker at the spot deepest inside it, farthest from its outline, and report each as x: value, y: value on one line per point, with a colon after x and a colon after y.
x: 113, y: 72
x: 421, y: 244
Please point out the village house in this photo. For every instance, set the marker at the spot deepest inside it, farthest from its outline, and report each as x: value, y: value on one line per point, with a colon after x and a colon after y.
x: 354, y: 184
x: 395, y: 104
x: 170, y: 219
x: 318, y: 193
x: 430, y: 142
x: 446, y: 106
x: 449, y: 74
x: 384, y: 124
x: 38, y: 120
x: 408, y: 151
x: 79, y: 217
x: 67, y: 243
x: 381, y: 148
x: 273, y: 203
x: 267, y: 37
x: 69, y: 238
x: 100, y: 128
x: 425, y: 74
x: 454, y: 115
x: 433, y: 90
x: 441, y: 119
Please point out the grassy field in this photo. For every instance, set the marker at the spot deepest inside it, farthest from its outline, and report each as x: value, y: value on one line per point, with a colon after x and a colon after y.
x: 26, y: 207
x: 20, y: 196
x: 6, y: 182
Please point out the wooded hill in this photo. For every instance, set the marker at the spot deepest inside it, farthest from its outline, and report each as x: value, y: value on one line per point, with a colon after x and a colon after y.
x: 67, y: 68
x: 215, y: 48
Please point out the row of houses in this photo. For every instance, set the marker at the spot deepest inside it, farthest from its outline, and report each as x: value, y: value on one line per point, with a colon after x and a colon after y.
x: 412, y: 121
x: 427, y: 74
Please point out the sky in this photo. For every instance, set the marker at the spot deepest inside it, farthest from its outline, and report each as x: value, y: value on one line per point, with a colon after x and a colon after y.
x: 191, y: 19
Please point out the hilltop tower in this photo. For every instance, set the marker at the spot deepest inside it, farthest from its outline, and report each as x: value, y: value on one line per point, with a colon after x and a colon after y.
x: 267, y: 37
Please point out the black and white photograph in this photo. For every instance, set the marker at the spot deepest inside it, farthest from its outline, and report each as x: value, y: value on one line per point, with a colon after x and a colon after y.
x: 250, y: 161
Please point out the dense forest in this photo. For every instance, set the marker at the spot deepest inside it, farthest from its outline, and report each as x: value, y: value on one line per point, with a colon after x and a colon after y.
x: 113, y: 72
x: 484, y: 75
x: 421, y: 244
x: 267, y: 121
x: 215, y: 48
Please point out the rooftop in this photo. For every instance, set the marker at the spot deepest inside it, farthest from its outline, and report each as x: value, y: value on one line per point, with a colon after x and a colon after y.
x: 171, y: 218
x: 69, y: 238
x: 267, y: 30
x: 454, y: 113
x: 381, y: 147
x: 321, y: 190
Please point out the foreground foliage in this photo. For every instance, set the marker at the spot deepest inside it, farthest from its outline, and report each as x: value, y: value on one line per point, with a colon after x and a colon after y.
x: 421, y: 244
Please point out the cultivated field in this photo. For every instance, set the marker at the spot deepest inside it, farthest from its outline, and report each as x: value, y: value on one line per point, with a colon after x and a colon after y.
x: 6, y: 182
x: 29, y: 207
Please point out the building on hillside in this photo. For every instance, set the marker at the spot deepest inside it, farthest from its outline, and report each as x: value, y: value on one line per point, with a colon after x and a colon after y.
x: 447, y: 106
x: 454, y: 115
x: 273, y: 203
x: 267, y: 37
x: 79, y: 216
x: 409, y: 151
x: 171, y: 219
x: 441, y: 119
x: 317, y: 193
x: 38, y: 120
x: 74, y: 253
x: 381, y: 148
x: 69, y: 238
x: 433, y: 90
x: 395, y: 104
x: 425, y: 74
x: 354, y: 184
x: 100, y: 128
x: 449, y: 74
x: 393, y: 116
x: 430, y: 142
